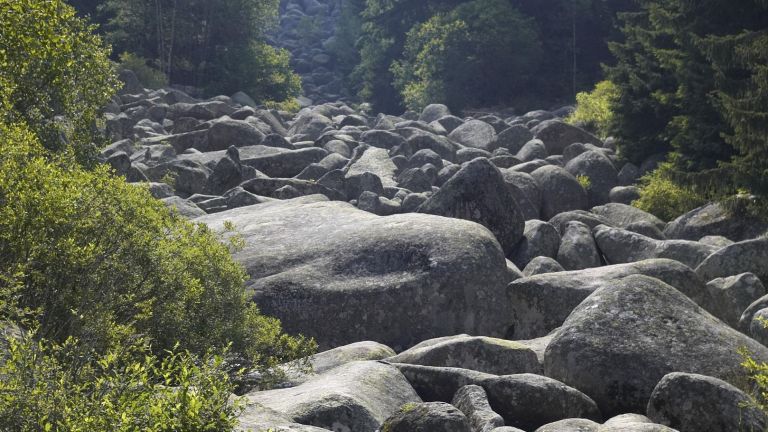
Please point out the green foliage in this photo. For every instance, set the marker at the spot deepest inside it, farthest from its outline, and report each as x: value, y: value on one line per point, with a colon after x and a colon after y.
x: 55, y: 74
x: 594, y: 110
x: 217, y: 46
x: 90, y: 256
x: 664, y: 197
x: 466, y: 57
x: 148, y: 76
x: 584, y: 181
x: 49, y: 387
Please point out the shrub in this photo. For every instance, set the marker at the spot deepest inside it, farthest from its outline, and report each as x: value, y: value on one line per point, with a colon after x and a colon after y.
x: 148, y: 76
x: 55, y: 74
x: 46, y: 387
x: 468, y: 57
x: 662, y: 196
x: 593, y: 109
x: 584, y: 181
x: 90, y: 256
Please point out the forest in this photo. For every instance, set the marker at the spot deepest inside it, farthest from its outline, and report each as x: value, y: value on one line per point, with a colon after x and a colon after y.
x: 121, y: 312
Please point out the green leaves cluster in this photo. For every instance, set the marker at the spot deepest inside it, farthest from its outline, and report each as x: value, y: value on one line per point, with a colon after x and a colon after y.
x: 46, y: 387
x: 468, y: 56
x: 594, y: 110
x: 55, y: 74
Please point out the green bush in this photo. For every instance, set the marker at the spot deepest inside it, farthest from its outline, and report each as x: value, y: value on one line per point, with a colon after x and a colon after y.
x: 660, y: 195
x: 468, y: 57
x: 48, y: 387
x: 148, y: 76
x: 89, y: 256
x: 55, y: 74
x: 594, y: 109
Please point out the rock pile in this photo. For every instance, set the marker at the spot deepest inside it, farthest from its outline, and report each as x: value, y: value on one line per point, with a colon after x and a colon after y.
x: 492, y: 263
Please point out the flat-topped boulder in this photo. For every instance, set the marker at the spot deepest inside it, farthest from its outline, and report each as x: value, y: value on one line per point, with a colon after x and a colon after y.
x: 341, y: 275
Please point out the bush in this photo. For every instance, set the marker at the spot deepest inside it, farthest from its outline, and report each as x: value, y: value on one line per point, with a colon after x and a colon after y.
x: 594, y: 109
x: 660, y: 195
x: 468, y: 57
x: 55, y: 74
x: 45, y: 387
x: 87, y: 255
x: 148, y: 76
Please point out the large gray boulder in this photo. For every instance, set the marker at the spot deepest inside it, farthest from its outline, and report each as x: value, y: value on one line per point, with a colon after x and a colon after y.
x: 528, y: 401
x: 599, y: 170
x: 439, y: 383
x: 258, y: 418
x: 619, y: 342
x: 373, y: 160
x: 571, y: 425
x: 578, y: 249
x: 434, y: 112
x: 539, y: 239
x: 480, y: 353
x: 622, y: 215
x: 473, y: 402
x: 557, y: 135
x: 560, y: 191
x: 622, y: 246
x: 747, y: 256
x: 339, y: 274
x: 526, y: 192
x: 514, y: 138
x: 327, y: 360
x: 311, y: 125
x: 479, y: 193
x: 714, y: 219
x: 427, y: 417
x: 542, y: 265
x: 278, y: 162
x: 541, y: 303
x: 692, y: 403
x: 475, y: 134
x: 727, y: 298
x: 226, y: 132
x: 357, y: 396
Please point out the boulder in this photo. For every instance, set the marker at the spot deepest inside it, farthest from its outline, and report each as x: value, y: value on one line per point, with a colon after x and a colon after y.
x: 375, y: 161
x: 526, y: 192
x: 620, y: 341
x: 183, y: 207
x: 357, y: 396
x: 434, y: 112
x: 727, y: 298
x: 514, y: 138
x: 542, y: 265
x: 570, y: 425
x: 539, y: 239
x: 601, y: 173
x: 339, y: 274
x: 747, y: 256
x: 622, y: 215
x: 560, y: 191
x: 624, y: 194
x: 557, y: 135
x: 439, y: 383
x: 278, y: 162
x: 473, y: 402
x: 258, y: 418
x: 475, y: 134
x: 311, y: 125
x: 578, y: 249
x: 714, y: 219
x: 532, y: 150
x: 692, y: 403
x: 528, y: 401
x: 479, y: 193
x: 327, y: 360
x: 427, y: 417
x: 541, y: 303
x: 480, y: 353
x: 622, y: 246
x: 590, y: 219
x: 226, y: 132
x: 382, y: 139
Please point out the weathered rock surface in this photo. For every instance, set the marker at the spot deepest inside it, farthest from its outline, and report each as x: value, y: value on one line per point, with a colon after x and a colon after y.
x: 713, y: 219
x: 560, y: 191
x: 743, y: 257
x: 327, y: 360
x: 542, y: 302
x: 473, y: 402
x: 619, y: 342
x: 440, y: 383
x: 333, y: 272
x: 578, y: 249
x: 483, y: 354
x: 357, y: 396
x: 557, y: 135
x: 258, y: 418
x: 427, y: 417
x: 692, y: 403
x: 478, y: 193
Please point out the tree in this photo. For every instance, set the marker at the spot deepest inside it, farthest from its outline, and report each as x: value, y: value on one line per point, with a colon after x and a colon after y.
x: 468, y: 56
x: 212, y: 45
x: 55, y: 74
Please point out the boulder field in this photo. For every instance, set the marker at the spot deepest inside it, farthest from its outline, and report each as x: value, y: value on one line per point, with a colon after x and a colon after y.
x: 458, y: 273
